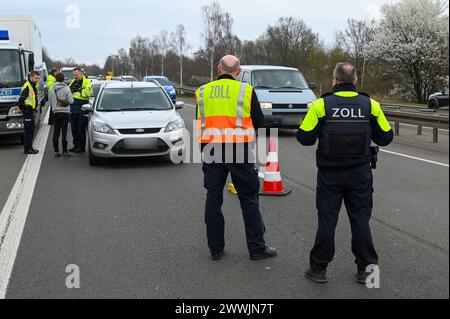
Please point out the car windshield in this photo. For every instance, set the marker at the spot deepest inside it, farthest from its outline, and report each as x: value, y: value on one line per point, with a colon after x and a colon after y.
x: 279, y: 79
x: 68, y: 75
x: 133, y: 99
x: 10, y: 74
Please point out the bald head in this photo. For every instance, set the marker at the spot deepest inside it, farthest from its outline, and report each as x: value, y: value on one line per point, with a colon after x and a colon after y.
x: 231, y: 65
x: 345, y: 73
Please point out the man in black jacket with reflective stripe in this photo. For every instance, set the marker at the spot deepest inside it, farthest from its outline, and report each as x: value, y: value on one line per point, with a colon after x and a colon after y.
x: 345, y: 122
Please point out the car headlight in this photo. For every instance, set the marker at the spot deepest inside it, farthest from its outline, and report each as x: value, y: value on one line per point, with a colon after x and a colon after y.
x: 174, y: 126
x: 102, y: 128
x: 266, y: 105
x: 14, y: 112
x: 172, y: 91
x: 309, y: 105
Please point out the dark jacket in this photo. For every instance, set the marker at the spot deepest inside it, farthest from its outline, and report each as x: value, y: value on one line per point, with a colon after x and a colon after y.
x: 257, y: 120
x: 310, y: 131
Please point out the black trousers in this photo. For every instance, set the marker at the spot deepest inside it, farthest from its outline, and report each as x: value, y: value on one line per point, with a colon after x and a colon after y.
x: 355, y: 187
x: 61, y: 124
x: 28, y: 135
x: 78, y: 123
x: 246, y: 180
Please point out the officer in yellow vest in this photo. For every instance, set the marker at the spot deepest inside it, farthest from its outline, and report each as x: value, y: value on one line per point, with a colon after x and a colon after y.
x: 345, y: 122
x: 82, y: 90
x: 51, y: 79
x: 228, y: 113
x: 50, y: 83
x: 28, y: 103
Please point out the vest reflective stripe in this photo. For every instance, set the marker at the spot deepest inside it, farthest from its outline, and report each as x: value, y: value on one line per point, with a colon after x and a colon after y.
x: 202, y: 107
x: 31, y: 98
x: 224, y: 112
x: 240, y: 106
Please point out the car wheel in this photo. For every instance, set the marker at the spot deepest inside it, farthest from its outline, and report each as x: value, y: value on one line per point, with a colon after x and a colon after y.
x: 22, y: 139
x: 433, y: 104
x: 94, y: 160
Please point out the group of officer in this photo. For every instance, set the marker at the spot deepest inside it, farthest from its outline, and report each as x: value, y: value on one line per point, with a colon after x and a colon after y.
x: 81, y: 90
x: 344, y: 121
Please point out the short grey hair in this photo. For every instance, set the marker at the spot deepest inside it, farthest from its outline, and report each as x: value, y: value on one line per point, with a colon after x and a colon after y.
x: 345, y: 72
x: 229, y: 68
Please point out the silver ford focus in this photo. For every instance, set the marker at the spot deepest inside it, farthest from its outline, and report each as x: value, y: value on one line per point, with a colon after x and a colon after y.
x: 133, y: 119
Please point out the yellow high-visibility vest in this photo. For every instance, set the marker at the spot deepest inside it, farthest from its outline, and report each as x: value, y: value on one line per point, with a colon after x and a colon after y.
x: 224, y: 112
x: 31, y: 100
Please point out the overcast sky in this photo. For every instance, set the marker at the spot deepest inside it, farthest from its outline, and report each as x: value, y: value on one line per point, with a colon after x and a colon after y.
x: 106, y: 25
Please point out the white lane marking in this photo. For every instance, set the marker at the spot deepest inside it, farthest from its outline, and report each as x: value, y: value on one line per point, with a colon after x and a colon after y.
x: 15, y: 212
x: 394, y: 153
x: 415, y: 158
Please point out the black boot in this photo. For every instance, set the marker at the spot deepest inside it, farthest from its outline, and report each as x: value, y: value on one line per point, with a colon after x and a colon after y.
x: 268, y: 252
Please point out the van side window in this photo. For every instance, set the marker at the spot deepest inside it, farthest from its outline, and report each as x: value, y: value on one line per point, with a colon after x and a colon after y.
x: 246, y: 77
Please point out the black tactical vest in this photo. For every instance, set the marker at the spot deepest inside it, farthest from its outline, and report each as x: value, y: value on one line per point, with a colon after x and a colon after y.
x: 346, y: 129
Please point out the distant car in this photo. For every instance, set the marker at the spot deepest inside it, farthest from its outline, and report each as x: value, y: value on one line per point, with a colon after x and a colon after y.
x: 165, y: 83
x: 438, y: 100
x: 133, y: 120
x: 128, y: 78
x: 283, y: 92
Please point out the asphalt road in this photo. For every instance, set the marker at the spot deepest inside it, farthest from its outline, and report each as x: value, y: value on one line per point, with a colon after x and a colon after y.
x: 135, y: 228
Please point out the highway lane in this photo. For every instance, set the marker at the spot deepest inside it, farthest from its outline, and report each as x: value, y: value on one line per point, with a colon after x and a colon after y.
x: 135, y: 228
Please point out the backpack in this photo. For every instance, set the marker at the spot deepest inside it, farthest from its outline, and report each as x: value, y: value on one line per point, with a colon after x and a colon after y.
x: 61, y: 102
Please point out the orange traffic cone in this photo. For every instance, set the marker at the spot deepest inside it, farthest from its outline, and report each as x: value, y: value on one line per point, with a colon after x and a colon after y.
x: 273, y: 185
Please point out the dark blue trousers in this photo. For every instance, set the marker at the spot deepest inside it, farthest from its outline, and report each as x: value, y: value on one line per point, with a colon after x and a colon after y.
x: 78, y: 124
x: 246, y: 180
x: 28, y: 135
x: 354, y: 187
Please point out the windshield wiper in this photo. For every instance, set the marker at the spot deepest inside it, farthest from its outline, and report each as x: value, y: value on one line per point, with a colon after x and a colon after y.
x: 292, y: 87
x: 264, y: 87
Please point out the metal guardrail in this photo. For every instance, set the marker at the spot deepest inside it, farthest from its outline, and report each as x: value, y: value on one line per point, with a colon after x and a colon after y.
x: 398, y: 114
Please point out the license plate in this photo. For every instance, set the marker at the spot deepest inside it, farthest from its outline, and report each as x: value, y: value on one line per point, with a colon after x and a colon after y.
x: 141, y: 144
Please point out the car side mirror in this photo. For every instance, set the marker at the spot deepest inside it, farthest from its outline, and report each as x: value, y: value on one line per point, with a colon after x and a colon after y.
x: 87, y: 108
x: 312, y: 85
x: 179, y: 105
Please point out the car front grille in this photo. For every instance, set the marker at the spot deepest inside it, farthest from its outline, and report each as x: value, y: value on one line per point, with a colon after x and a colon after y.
x: 290, y: 106
x: 155, y: 146
x: 139, y: 131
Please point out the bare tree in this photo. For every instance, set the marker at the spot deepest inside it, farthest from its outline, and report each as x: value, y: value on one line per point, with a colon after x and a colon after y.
x: 179, y: 39
x: 163, y: 46
x: 290, y: 42
x: 139, y: 54
x: 354, y: 39
x: 217, y: 27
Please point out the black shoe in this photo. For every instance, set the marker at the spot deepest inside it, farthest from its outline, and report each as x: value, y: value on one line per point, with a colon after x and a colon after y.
x: 57, y: 154
x: 73, y: 149
x: 31, y: 152
x: 318, y: 276
x: 267, y: 253
x: 218, y: 256
x: 361, y: 277
x: 79, y: 151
